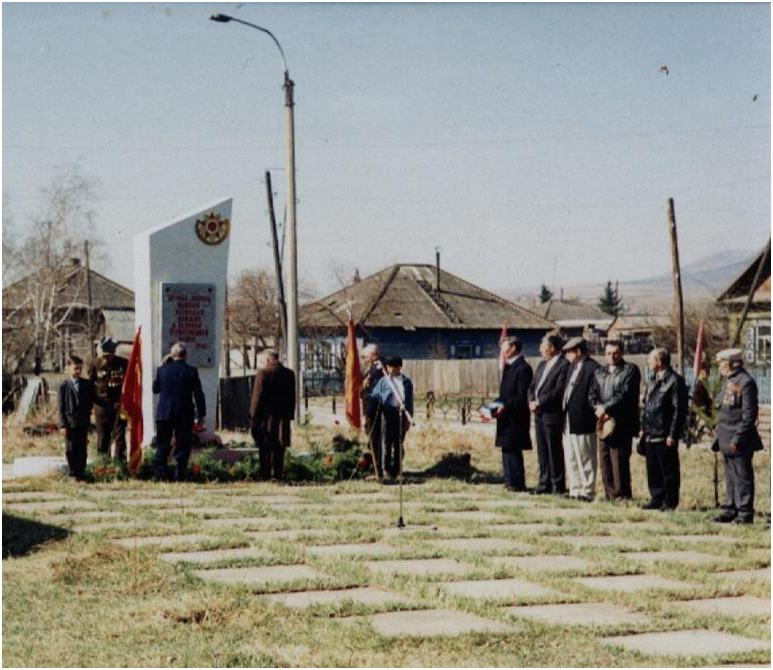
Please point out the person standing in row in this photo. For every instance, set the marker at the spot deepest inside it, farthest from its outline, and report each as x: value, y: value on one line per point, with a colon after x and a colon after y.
x: 272, y: 411
x: 737, y: 437
x: 546, y: 394
x: 372, y: 357
x: 513, y: 436
x: 107, y: 374
x: 579, y: 422
x: 76, y: 398
x: 393, y: 393
x: 179, y: 389
x: 663, y: 418
x: 614, y: 395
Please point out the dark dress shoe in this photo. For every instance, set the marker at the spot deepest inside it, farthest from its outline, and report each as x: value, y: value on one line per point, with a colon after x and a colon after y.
x: 651, y: 505
x: 724, y: 518
x: 743, y: 519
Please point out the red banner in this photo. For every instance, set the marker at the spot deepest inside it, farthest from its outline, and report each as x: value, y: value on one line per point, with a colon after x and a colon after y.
x: 353, y: 382
x: 131, y: 403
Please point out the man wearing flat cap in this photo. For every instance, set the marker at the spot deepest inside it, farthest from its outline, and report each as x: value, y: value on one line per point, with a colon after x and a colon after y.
x: 579, y: 422
x: 614, y: 395
x: 737, y: 436
x: 393, y: 393
x: 107, y: 374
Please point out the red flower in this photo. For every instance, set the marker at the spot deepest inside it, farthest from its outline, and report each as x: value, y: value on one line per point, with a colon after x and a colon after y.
x: 328, y: 461
x: 196, y: 469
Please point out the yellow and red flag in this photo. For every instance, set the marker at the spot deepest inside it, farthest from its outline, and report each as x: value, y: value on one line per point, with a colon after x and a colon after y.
x: 353, y: 381
x: 131, y: 403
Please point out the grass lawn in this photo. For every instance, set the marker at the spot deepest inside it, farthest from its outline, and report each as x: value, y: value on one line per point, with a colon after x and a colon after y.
x: 75, y: 598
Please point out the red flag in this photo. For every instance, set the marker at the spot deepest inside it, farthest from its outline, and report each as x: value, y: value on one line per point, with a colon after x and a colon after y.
x: 698, y: 352
x: 502, y: 336
x: 353, y: 381
x: 131, y: 403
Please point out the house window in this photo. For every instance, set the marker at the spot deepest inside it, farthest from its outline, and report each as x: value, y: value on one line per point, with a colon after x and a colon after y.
x: 758, y: 343
x: 463, y: 351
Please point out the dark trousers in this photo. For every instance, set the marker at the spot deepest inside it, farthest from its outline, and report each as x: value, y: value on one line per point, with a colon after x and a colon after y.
x: 615, y: 461
x: 76, y: 445
x: 182, y: 430
x: 739, y: 486
x: 512, y: 465
x: 550, y: 452
x: 271, y: 453
x: 663, y: 474
x: 373, y: 429
x: 391, y: 440
x: 110, y: 429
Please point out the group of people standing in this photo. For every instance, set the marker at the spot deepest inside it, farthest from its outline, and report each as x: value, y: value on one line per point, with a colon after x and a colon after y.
x: 586, y: 414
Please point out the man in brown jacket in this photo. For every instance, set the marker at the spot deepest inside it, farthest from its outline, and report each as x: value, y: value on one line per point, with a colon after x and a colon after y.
x: 272, y: 408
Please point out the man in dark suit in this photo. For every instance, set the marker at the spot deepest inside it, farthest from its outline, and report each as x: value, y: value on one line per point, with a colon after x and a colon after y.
x: 272, y: 408
x: 614, y: 395
x: 579, y: 422
x: 179, y: 388
x: 546, y: 395
x: 513, y: 417
x: 76, y: 398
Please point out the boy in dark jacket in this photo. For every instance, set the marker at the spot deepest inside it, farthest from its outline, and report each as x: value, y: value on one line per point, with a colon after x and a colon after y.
x: 76, y: 398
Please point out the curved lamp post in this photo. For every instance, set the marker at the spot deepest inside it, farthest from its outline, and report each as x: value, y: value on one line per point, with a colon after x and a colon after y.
x: 293, y: 347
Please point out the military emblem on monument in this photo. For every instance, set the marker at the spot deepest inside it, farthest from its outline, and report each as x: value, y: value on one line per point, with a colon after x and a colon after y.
x: 212, y: 228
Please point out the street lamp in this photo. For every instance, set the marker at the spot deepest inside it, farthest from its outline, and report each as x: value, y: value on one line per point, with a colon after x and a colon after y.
x: 293, y: 348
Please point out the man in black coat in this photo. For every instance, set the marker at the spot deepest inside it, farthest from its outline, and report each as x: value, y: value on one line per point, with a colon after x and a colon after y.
x: 272, y: 411
x: 546, y: 394
x: 663, y: 417
x: 513, y: 417
x: 737, y: 436
x: 614, y: 394
x: 579, y: 422
x: 76, y: 398
x: 179, y: 387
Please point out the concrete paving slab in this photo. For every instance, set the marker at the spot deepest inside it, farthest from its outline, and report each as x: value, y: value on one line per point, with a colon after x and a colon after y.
x: 26, y: 496
x: 394, y: 531
x: 49, y: 506
x: 734, y: 607
x: 108, y: 526
x: 578, y: 614
x: 161, y: 540
x: 637, y: 526
x: 213, y: 555
x: 165, y: 503
x: 457, y: 495
x: 548, y: 562
x: 632, y: 583
x: 746, y: 575
x: 374, y: 497
x: 472, y: 515
x: 268, y: 500
x: 426, y: 623
x: 517, y: 528
x: 420, y: 567
x: 73, y: 517
x: 561, y: 512
x: 287, y: 534
x: 498, y: 588
x: 275, y: 574
x: 701, y: 538
x: 203, y: 511
x: 365, y: 549
x: 507, y: 502
x: 35, y: 466
x: 581, y: 541
x: 687, y: 643
x: 363, y: 596
x: 672, y: 556
x: 240, y: 522
x: 480, y: 544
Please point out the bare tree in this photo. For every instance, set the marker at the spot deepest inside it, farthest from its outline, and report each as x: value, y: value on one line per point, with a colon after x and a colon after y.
x: 715, y: 330
x: 49, y: 303
x: 253, y: 311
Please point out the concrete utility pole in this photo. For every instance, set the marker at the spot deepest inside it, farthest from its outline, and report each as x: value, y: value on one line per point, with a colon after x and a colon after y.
x: 89, y: 314
x: 280, y: 291
x: 293, y: 345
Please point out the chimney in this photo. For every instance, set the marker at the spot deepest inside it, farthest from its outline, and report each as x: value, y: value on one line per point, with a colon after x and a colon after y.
x: 437, y: 271
x: 76, y: 262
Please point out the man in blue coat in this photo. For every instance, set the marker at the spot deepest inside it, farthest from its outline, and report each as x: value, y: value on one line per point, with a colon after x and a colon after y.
x: 179, y: 388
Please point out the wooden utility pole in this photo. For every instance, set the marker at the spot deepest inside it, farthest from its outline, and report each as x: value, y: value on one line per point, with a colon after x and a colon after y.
x: 677, y: 277
x: 89, y: 315
x: 280, y: 292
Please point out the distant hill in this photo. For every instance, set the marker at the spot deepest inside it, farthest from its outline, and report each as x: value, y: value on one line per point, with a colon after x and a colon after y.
x: 704, y: 278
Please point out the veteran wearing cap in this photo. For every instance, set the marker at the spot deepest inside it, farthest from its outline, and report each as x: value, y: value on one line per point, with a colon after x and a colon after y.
x: 579, y: 422
x: 107, y: 374
x: 737, y: 436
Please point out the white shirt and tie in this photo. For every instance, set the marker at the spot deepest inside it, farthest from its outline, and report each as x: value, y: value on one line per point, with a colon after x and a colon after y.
x: 572, y: 381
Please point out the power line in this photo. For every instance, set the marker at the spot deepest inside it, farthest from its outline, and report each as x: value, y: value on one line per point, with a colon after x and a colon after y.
x: 408, y: 145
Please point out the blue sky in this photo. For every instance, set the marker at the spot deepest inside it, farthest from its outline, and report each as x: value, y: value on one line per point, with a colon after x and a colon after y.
x: 524, y: 140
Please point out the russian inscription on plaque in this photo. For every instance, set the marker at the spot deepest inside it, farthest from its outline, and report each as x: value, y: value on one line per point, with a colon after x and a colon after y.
x: 188, y: 315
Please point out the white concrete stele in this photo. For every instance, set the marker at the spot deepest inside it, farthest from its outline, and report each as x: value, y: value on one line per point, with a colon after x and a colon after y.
x: 173, y: 253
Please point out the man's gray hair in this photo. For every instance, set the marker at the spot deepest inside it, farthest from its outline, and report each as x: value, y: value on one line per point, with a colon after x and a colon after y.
x: 513, y: 342
x: 369, y: 349
x: 662, y: 356
x: 179, y: 350
x: 270, y: 354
